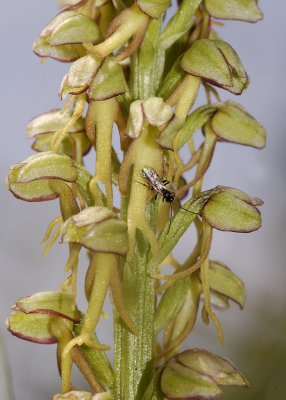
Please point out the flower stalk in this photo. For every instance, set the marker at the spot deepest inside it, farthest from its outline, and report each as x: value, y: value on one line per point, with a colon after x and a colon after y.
x: 131, y: 71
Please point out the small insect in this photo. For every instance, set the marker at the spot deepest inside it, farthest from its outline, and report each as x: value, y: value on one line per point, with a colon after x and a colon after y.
x: 160, y: 186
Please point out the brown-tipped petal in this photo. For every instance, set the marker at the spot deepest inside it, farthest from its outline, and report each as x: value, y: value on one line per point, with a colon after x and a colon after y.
x: 33, y: 191
x: 205, y: 60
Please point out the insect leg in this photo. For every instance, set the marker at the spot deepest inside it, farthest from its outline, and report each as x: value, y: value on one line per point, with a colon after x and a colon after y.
x: 144, y: 185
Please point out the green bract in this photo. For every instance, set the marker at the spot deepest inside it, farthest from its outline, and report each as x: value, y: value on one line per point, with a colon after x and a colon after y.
x: 192, y: 124
x: 179, y: 24
x: 170, y: 304
x: 171, y: 81
x: 98, y: 361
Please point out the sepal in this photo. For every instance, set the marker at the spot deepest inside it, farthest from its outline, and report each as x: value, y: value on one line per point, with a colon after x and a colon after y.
x: 108, y: 82
x: 216, y: 62
x: 225, y: 283
x: 153, y: 8
x: 246, y: 10
x: 53, y: 303
x: 34, y: 315
x: 197, y: 374
x: 30, y: 180
x: 98, y: 229
x: 229, y: 211
x: 232, y: 123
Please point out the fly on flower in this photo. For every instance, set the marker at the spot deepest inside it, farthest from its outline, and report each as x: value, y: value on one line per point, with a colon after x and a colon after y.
x: 160, y: 186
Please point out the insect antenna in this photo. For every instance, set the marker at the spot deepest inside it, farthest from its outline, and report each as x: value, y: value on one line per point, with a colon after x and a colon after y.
x: 170, y: 219
x: 182, y: 208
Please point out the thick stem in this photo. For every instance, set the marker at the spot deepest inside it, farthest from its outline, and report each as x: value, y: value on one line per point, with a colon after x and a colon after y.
x: 134, y: 355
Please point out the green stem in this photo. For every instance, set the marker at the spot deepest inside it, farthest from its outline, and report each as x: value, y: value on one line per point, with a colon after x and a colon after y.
x: 134, y: 354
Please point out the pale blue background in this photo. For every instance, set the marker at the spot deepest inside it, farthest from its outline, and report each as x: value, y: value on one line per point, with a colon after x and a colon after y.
x: 29, y: 88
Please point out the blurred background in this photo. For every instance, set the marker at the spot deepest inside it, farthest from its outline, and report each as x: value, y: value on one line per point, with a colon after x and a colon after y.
x: 256, y: 337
